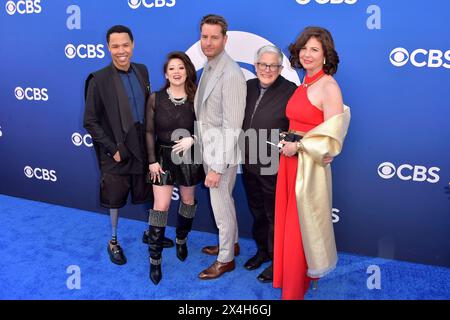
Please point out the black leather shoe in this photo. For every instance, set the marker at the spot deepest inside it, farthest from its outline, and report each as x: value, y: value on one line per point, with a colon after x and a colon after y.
x: 167, y: 243
x: 267, y: 275
x: 116, y: 254
x: 257, y: 260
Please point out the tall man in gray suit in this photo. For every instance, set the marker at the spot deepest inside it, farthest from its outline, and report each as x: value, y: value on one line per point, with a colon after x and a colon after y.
x: 220, y: 108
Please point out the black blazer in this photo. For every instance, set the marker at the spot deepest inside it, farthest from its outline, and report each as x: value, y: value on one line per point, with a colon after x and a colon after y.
x: 109, y: 121
x: 270, y: 114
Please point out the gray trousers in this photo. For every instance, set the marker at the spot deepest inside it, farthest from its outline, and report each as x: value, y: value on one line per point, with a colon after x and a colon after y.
x: 224, y: 210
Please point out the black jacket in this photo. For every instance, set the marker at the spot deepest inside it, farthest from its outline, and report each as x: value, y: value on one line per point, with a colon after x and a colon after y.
x: 270, y: 114
x: 109, y: 120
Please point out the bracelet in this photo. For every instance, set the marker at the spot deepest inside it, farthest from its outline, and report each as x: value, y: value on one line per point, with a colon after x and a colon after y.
x: 300, y: 147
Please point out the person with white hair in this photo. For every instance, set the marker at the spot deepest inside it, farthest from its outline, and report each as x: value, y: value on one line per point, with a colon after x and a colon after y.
x: 265, y: 114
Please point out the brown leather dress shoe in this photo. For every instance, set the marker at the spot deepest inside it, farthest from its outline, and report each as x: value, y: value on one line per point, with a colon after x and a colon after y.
x: 214, y: 250
x: 216, y: 270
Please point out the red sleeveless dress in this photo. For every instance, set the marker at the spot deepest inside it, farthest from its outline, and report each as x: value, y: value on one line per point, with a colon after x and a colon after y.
x: 289, y: 260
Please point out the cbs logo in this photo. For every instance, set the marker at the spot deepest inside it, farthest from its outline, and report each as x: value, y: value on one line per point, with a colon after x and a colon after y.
x: 78, y: 140
x: 328, y: 1
x: 84, y: 51
x: 40, y: 174
x: 23, y: 7
x: 31, y: 94
x: 420, y: 58
x: 407, y: 172
x: 134, y: 4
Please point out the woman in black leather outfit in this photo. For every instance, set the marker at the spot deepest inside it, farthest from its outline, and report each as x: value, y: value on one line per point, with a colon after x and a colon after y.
x: 170, y: 121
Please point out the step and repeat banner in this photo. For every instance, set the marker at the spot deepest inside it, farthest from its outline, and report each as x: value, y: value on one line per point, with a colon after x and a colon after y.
x: 391, y: 195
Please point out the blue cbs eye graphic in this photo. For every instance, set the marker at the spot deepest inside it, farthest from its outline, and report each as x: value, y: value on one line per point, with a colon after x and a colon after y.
x: 28, y: 171
x: 399, y: 57
x: 10, y: 7
x: 386, y: 170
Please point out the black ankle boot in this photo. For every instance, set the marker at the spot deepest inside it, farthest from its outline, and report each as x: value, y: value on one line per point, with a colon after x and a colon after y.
x: 157, y: 228
x: 185, y: 218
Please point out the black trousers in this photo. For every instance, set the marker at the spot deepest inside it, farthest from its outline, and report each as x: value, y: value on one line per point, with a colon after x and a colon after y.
x: 260, y: 190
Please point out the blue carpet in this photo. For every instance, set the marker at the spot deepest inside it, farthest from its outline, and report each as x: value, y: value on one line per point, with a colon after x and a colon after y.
x: 39, y: 241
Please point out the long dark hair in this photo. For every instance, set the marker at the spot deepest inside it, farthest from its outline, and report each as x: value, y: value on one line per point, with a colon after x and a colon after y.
x: 329, y: 52
x: 191, y: 75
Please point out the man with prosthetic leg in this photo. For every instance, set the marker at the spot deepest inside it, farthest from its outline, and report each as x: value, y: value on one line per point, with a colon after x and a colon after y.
x: 115, y: 99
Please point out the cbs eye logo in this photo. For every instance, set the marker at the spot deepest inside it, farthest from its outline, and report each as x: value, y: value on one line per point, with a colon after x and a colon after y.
x: 134, y: 4
x: 407, y: 172
x: 40, y: 174
x: 386, y: 170
x: 399, y: 57
x: 36, y: 94
x: 23, y: 7
x: 78, y: 140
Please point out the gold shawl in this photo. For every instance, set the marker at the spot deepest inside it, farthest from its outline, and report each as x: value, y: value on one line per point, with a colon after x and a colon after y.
x: 314, y: 195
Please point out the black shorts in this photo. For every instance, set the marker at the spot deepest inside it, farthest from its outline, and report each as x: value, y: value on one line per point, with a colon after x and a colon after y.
x: 114, y: 190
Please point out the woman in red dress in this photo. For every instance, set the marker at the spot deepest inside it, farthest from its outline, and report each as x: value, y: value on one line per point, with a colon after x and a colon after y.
x: 316, y: 100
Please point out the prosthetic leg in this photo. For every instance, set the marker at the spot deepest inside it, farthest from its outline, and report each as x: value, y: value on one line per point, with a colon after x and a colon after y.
x: 114, y: 250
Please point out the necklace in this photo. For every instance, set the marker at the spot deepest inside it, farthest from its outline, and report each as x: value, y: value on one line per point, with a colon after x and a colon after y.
x: 176, y: 101
x: 306, y: 85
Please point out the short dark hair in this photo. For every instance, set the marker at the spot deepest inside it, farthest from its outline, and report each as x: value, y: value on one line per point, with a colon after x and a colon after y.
x: 191, y: 75
x: 215, y: 19
x: 324, y: 37
x: 118, y: 29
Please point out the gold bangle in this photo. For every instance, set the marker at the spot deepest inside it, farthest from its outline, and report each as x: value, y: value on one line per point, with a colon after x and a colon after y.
x: 300, y: 147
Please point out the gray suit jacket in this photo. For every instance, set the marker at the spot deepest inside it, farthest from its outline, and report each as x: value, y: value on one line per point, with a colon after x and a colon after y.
x: 220, y: 115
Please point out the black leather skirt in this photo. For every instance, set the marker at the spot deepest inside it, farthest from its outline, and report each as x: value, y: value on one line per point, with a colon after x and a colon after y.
x: 178, y: 170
